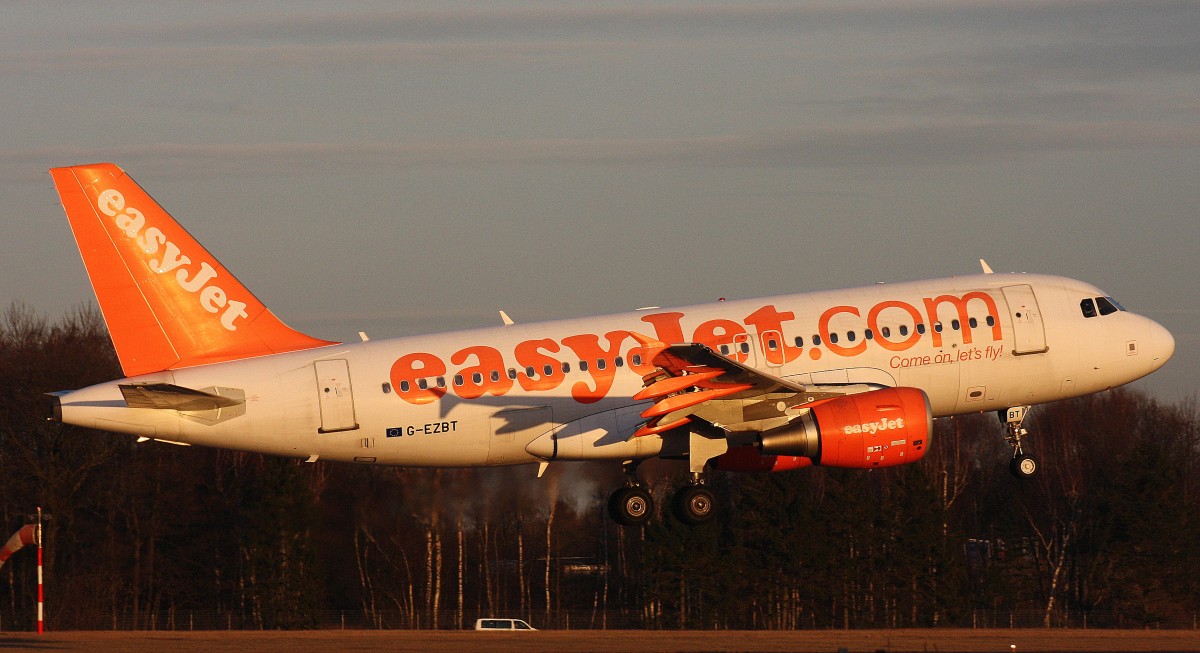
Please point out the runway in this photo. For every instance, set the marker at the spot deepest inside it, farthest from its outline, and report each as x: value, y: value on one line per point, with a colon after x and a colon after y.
x: 587, y: 641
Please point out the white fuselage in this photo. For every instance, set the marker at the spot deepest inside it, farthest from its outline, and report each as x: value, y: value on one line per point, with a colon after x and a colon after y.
x: 484, y: 397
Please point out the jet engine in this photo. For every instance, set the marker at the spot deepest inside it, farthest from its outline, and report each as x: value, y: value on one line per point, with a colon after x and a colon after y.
x: 880, y: 428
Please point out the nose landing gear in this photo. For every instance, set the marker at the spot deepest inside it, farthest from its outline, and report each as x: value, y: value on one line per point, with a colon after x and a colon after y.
x: 1022, y: 465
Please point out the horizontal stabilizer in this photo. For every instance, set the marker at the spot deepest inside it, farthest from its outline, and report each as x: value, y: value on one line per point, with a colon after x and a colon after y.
x: 165, y: 396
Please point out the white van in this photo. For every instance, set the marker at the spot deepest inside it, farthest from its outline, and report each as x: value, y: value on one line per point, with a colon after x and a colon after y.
x: 502, y: 624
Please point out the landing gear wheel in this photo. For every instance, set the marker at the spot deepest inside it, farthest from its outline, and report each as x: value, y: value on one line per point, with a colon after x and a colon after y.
x: 1023, y: 466
x: 694, y: 505
x: 630, y: 506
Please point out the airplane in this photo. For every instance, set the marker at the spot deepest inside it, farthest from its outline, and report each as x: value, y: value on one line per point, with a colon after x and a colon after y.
x: 846, y: 378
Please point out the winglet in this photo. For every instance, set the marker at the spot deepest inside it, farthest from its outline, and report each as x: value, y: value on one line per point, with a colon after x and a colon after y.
x: 168, y: 303
x: 987, y: 269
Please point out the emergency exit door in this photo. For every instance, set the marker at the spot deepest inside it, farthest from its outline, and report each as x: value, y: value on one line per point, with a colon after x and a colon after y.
x: 334, y: 396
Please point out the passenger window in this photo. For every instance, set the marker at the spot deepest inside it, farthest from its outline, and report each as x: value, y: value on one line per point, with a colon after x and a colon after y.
x: 937, y: 327
x: 404, y: 386
x: 955, y: 324
x: 423, y: 384
x: 529, y: 371
x: 833, y: 338
x: 458, y: 379
x: 850, y: 336
x: 921, y: 328
x: 868, y: 335
x: 548, y: 369
x: 636, y: 359
x: 1088, y: 306
x: 441, y: 381
x: 495, y: 376
x: 991, y: 321
x: 903, y: 329
x: 477, y: 378
x: 601, y: 363
x: 512, y: 373
x: 816, y: 340
x: 583, y: 366
x: 566, y: 367
x: 973, y: 323
x: 619, y: 361
x: 886, y: 332
x: 772, y: 344
x: 745, y: 347
x: 799, y: 341
x: 725, y: 350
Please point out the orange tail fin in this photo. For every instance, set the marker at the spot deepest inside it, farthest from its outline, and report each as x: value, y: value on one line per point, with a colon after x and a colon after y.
x: 167, y: 302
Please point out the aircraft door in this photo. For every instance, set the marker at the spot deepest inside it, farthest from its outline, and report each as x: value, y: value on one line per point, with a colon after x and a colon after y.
x: 335, y: 396
x: 1029, y: 335
x: 773, y: 348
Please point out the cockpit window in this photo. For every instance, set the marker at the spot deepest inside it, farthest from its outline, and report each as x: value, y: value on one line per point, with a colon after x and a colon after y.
x: 1099, y: 306
x: 1088, y: 306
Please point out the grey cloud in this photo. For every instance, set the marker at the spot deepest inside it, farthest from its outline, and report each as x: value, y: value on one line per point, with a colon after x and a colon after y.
x: 1079, y: 60
x: 556, y: 20
x: 551, y: 21
x: 239, y: 56
x: 904, y: 145
x: 1089, y: 40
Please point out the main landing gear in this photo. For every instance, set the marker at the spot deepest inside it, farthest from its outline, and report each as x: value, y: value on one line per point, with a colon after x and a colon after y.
x: 1023, y: 465
x: 692, y: 504
x: 632, y: 505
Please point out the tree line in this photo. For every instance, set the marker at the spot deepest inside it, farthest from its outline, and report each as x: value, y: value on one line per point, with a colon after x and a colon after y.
x: 152, y: 535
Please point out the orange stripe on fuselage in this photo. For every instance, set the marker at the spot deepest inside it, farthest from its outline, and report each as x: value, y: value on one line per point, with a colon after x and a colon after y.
x: 764, y: 326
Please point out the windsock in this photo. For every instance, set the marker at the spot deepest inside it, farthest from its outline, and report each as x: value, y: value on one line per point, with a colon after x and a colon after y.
x: 27, y: 535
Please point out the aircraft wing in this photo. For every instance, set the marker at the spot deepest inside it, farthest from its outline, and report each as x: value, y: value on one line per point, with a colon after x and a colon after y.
x: 694, y: 381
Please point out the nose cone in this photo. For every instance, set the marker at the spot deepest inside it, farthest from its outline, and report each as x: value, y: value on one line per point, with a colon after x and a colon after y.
x: 1160, y: 345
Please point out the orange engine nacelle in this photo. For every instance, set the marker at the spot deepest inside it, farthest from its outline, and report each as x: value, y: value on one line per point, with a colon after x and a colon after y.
x: 880, y: 428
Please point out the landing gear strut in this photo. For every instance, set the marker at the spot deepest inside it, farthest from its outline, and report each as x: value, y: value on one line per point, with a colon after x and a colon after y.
x: 1023, y: 465
x: 631, y: 504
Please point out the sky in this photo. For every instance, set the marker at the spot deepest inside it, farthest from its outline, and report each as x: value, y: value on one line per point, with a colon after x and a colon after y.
x: 404, y: 168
